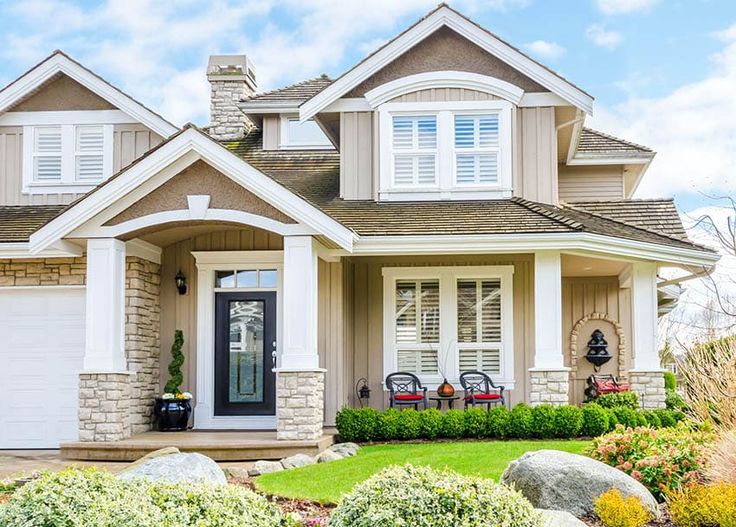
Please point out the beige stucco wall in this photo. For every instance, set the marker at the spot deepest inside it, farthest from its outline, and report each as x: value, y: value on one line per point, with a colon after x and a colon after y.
x: 583, y: 297
x: 62, y: 94
x: 591, y: 182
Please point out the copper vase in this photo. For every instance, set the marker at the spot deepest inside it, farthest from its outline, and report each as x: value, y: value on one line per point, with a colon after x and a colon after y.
x: 445, y: 389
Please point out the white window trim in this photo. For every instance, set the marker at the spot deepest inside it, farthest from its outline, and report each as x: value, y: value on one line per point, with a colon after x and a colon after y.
x: 446, y: 187
x: 285, y: 142
x: 448, y: 277
x: 68, y: 183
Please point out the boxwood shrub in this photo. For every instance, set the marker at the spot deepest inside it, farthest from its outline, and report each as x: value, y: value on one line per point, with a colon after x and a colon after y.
x: 543, y: 421
x: 430, y: 423
x: 418, y: 496
x: 521, y: 424
x: 410, y: 424
x: 475, y: 422
x: 453, y: 424
x: 568, y: 421
x: 595, y: 420
x: 499, y: 418
x: 613, y: 400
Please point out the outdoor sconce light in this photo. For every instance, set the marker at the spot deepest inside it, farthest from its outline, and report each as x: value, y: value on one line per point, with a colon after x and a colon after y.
x: 362, y: 389
x: 181, y: 283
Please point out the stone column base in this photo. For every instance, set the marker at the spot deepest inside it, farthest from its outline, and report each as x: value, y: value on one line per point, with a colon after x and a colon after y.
x: 649, y: 386
x: 300, y: 402
x: 104, y: 406
x: 549, y: 386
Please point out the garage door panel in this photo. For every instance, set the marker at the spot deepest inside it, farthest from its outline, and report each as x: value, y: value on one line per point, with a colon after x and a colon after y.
x: 41, y: 354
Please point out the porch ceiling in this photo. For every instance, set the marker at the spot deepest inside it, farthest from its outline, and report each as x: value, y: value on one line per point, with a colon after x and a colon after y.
x: 582, y: 266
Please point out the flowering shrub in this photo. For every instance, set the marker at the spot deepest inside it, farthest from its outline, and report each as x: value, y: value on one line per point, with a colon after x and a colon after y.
x: 420, y: 496
x: 90, y: 498
x: 704, y: 505
x: 616, y: 511
x: 663, y: 460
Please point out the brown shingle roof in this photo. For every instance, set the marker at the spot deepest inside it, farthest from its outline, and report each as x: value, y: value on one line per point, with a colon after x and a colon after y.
x: 298, y: 92
x: 595, y: 142
x: 18, y: 222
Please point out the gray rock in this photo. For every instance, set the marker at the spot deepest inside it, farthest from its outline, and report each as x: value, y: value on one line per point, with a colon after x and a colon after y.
x: 175, y: 468
x: 556, y: 480
x: 298, y: 460
x: 237, y: 472
x: 345, y: 449
x: 329, y: 455
x: 265, y: 467
x: 161, y: 452
x: 559, y: 519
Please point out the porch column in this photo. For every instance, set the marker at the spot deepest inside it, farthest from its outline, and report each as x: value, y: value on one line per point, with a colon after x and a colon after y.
x: 647, y: 377
x: 105, y: 383
x: 549, y: 378
x: 299, y: 379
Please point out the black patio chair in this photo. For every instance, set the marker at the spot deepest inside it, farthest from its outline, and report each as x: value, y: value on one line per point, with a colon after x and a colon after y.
x: 480, y: 390
x: 405, y: 389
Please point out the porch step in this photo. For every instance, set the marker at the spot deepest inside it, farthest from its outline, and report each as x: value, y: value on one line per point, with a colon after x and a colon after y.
x: 218, y: 445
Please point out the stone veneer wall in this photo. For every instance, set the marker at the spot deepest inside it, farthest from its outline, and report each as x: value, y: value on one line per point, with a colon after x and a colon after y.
x: 43, y: 271
x: 300, y: 398
x: 549, y: 386
x: 104, y: 406
x: 649, y: 385
x: 227, y: 122
x: 142, y: 337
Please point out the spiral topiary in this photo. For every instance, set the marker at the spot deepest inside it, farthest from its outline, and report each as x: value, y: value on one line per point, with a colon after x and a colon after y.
x: 177, y: 359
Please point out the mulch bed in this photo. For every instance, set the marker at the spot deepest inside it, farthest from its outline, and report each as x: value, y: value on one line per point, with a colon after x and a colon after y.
x: 665, y: 520
x: 305, y: 508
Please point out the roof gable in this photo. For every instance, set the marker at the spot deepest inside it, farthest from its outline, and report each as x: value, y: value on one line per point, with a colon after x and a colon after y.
x: 61, y: 93
x: 445, y: 17
x: 58, y: 64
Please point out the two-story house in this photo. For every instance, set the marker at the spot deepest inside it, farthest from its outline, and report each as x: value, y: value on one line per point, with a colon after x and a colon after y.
x: 438, y: 208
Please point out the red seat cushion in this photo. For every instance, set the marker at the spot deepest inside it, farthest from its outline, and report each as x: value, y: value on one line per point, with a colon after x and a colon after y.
x: 622, y: 388
x: 408, y: 397
x: 483, y: 397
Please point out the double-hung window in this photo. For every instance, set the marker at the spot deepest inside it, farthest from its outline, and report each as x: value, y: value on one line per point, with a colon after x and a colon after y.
x: 414, y: 150
x: 66, y: 157
x: 443, y: 321
x: 476, y: 149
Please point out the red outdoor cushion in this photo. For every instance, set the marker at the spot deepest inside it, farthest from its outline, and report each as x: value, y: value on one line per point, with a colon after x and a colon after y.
x: 483, y: 397
x: 408, y: 397
x: 622, y: 388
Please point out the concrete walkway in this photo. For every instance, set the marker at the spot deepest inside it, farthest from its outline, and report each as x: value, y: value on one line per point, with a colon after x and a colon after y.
x: 14, y: 463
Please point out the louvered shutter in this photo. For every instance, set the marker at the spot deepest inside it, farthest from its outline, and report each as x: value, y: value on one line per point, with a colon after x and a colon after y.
x: 479, y: 334
x: 476, y: 149
x: 417, y: 325
x: 414, y: 150
x: 47, y: 154
x: 89, y: 162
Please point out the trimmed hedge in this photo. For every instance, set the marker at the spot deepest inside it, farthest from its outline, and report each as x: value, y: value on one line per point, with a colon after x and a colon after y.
x: 523, y: 422
x: 614, y: 400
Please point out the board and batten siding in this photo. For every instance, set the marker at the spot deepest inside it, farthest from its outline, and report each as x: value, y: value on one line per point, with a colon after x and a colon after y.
x: 535, y: 154
x: 591, y: 182
x: 365, y: 333
x: 130, y: 141
x: 271, y: 127
x: 581, y: 297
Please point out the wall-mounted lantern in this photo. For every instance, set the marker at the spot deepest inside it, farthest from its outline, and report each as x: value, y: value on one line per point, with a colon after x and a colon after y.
x: 362, y: 390
x: 598, y: 350
x: 181, y: 283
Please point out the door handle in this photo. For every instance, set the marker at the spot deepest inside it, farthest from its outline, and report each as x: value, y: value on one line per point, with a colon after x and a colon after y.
x: 273, y: 354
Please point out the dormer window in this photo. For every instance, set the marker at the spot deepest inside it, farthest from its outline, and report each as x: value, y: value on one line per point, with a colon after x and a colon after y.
x: 307, y: 135
x: 445, y: 150
x: 66, y: 157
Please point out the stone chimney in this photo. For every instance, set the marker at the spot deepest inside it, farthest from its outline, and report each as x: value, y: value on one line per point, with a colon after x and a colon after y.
x: 232, y: 79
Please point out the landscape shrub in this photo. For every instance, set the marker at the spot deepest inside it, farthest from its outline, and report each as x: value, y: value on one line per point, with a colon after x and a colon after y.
x: 498, y: 424
x: 543, y: 421
x: 670, y: 381
x: 666, y: 417
x: 420, y: 496
x: 612, y: 419
x: 453, y: 424
x: 410, y: 424
x: 430, y: 423
x: 663, y: 460
x: 613, y: 400
x: 520, y: 422
x: 616, y: 511
x: 475, y: 422
x: 626, y: 416
x: 388, y: 424
x: 704, y: 505
x: 652, y: 418
x: 358, y: 424
x: 90, y: 498
x: 674, y: 401
x: 568, y: 421
x: 595, y: 420
x: 722, y: 459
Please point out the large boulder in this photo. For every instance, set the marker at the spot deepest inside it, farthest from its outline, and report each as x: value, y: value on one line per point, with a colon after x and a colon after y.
x: 556, y: 480
x: 559, y: 519
x: 177, y: 468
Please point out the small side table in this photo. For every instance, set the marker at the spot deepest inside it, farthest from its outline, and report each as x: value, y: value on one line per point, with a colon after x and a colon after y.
x: 450, y: 401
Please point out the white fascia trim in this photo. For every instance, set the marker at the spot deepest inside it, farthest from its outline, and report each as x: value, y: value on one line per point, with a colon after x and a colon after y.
x: 143, y: 249
x: 444, y: 79
x: 269, y: 107
x: 71, y: 117
x: 62, y: 249
x: 604, y: 159
x: 439, y: 18
x: 529, y: 243
x: 185, y: 149
x: 535, y: 99
x: 59, y: 63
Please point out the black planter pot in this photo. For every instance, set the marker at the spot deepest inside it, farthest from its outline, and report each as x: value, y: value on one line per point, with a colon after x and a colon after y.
x: 172, y: 415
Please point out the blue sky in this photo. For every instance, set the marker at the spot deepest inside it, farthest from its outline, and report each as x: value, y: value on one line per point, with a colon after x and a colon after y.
x: 663, y: 72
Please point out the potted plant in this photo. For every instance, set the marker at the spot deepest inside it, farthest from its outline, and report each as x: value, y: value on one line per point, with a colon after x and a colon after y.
x: 173, y: 408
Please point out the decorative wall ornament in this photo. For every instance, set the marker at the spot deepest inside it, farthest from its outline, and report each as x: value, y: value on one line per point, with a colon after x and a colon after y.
x: 598, y: 350
x: 574, y: 334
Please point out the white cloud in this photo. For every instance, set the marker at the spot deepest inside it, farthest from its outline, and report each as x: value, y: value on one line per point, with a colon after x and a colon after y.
x: 544, y: 49
x: 692, y: 129
x: 602, y: 37
x: 620, y: 7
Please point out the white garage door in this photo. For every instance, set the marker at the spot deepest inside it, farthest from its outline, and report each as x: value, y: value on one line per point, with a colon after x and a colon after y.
x: 41, y: 354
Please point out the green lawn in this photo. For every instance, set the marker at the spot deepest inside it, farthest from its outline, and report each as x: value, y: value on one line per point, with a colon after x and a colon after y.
x: 326, y: 482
